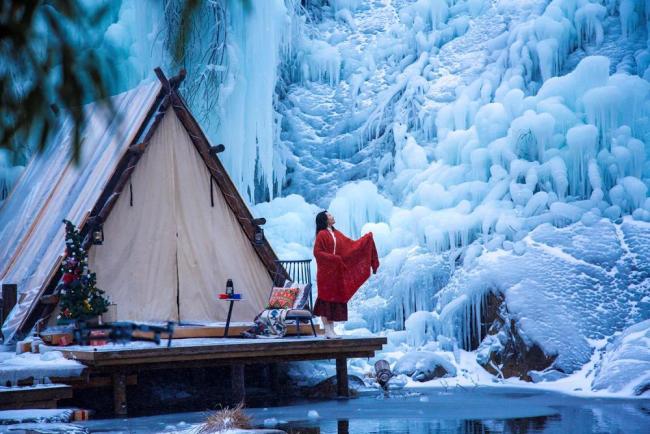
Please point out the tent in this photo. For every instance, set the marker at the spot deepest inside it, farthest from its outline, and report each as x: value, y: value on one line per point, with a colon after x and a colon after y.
x: 175, y: 227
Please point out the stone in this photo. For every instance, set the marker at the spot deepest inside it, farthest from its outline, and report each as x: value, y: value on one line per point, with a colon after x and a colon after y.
x: 424, y: 366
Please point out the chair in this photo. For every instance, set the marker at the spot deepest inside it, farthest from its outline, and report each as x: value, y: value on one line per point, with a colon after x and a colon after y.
x: 298, y: 272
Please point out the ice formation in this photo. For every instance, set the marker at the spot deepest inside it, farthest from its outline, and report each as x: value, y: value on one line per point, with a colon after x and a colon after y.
x: 626, y: 364
x: 490, y: 146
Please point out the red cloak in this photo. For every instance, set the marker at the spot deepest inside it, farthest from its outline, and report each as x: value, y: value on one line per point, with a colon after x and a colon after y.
x: 339, y: 275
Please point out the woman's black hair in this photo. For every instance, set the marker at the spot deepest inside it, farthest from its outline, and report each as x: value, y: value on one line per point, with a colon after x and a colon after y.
x: 321, y: 221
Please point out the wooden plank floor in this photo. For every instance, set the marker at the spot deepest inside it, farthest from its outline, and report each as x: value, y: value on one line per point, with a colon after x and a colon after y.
x: 217, y: 331
x: 226, y: 351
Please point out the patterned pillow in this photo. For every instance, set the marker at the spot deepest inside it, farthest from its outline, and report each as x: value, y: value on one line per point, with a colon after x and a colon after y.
x: 282, y: 298
x: 303, y: 293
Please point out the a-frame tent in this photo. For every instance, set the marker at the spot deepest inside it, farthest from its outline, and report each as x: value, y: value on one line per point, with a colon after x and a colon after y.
x: 175, y: 227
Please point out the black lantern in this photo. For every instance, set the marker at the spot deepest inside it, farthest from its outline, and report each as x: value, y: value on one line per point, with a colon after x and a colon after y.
x: 98, y: 235
x: 258, y: 236
x: 230, y: 288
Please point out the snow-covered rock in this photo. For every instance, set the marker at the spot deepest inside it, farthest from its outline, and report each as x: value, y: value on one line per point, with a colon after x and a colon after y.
x: 572, y: 284
x: 626, y: 363
x: 425, y: 366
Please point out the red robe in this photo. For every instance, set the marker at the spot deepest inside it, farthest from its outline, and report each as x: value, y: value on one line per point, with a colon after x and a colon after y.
x: 340, y: 275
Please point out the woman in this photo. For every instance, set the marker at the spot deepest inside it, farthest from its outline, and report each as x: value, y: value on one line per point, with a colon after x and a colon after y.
x: 343, y: 265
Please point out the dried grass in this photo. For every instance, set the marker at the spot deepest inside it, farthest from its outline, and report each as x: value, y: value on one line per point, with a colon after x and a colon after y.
x: 225, y: 419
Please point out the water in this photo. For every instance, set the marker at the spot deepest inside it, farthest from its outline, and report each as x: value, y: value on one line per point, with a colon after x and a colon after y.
x: 459, y: 411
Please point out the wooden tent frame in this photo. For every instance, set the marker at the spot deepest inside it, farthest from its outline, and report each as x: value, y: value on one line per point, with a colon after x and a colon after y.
x: 168, y: 97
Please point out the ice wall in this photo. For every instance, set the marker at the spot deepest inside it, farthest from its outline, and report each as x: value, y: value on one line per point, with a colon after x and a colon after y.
x: 483, y: 125
x: 233, y: 53
x: 247, y: 121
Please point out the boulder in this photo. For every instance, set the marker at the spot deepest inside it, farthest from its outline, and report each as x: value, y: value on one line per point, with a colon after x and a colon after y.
x: 505, y: 351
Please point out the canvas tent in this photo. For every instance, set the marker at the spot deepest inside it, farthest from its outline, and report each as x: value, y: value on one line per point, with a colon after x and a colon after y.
x: 175, y: 227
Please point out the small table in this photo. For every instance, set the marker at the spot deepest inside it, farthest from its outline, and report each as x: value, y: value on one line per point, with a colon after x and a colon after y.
x: 232, y: 303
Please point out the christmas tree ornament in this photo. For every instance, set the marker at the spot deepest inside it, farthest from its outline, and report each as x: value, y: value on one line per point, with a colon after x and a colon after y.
x: 80, y: 297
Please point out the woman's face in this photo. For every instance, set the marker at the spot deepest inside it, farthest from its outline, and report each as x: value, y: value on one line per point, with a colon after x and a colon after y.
x: 330, y: 220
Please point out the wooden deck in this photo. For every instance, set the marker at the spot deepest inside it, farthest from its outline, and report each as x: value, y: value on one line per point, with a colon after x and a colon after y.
x: 121, y: 362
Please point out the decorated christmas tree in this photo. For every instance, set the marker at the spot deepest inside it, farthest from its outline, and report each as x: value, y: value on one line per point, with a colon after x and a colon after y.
x: 80, y: 297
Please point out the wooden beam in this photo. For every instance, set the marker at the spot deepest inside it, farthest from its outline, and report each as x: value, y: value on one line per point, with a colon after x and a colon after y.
x: 138, y: 148
x: 238, y: 383
x: 342, y: 385
x: 9, y: 297
x: 146, y: 365
x: 163, y: 79
x: 119, y: 394
x: 223, y: 348
x: 217, y: 149
x: 176, y: 80
x: 274, y: 377
x: 49, y: 299
x: 33, y: 397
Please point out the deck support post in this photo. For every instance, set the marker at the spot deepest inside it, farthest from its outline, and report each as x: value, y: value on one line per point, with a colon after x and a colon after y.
x: 274, y: 377
x: 343, y: 426
x: 119, y: 394
x: 238, y: 383
x: 342, y: 377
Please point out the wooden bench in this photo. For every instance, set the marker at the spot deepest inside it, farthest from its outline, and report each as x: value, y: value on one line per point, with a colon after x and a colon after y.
x: 41, y: 396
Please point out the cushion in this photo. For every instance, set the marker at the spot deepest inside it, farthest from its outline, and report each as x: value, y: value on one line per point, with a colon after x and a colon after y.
x: 298, y: 313
x: 282, y: 298
x: 303, y: 293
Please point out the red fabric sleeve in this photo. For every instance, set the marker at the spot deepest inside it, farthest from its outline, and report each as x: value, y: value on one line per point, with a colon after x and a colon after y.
x: 330, y: 267
x: 340, y: 276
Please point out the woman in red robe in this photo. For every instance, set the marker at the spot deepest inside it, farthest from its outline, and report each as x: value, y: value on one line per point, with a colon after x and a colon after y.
x: 343, y: 265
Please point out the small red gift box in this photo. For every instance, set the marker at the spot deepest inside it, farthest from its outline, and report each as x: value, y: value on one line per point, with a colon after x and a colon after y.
x: 98, y: 337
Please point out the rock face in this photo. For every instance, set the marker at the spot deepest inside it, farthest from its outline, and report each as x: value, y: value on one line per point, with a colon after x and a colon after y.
x: 505, y: 351
x: 425, y: 366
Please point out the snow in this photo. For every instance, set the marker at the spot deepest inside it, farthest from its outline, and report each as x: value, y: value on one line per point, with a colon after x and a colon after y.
x: 421, y: 365
x: 14, y: 368
x: 626, y: 363
x: 8, y: 417
x: 48, y: 428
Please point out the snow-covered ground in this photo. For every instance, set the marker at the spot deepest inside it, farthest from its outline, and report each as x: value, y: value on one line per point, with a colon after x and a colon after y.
x: 497, y: 149
x: 15, y: 367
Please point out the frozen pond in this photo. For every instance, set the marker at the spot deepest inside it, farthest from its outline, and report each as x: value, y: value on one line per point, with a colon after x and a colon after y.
x: 458, y: 411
